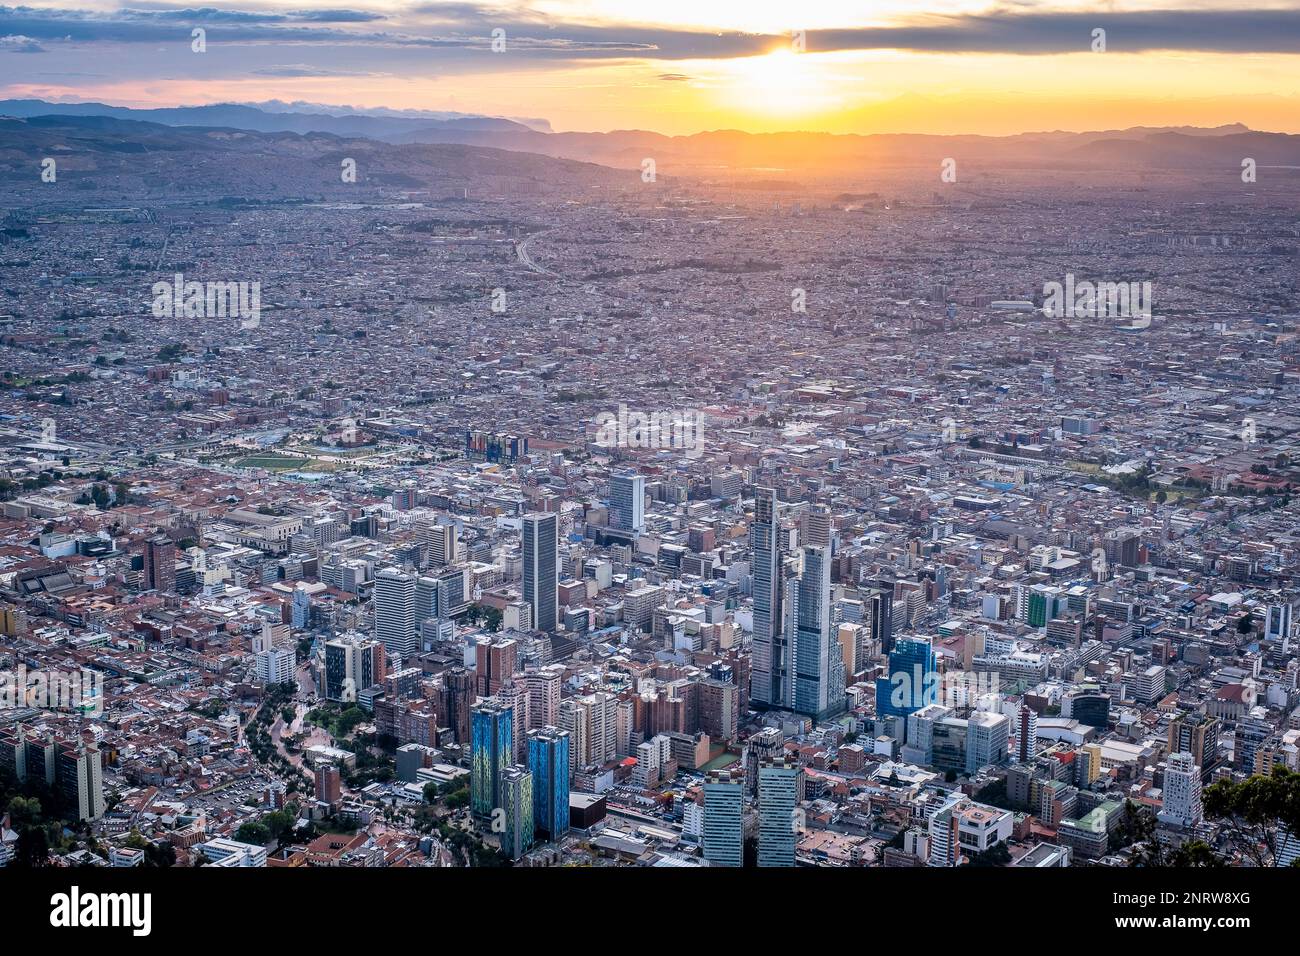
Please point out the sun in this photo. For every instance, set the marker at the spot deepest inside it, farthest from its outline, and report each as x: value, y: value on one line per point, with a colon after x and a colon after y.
x: 779, y: 83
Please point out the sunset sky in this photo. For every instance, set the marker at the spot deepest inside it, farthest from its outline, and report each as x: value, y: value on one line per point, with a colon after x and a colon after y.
x: 675, y: 66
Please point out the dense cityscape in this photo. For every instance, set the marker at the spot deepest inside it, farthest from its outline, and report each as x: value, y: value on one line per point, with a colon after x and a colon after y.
x: 429, y: 504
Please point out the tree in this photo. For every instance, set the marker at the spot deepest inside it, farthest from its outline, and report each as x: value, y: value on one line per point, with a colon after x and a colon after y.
x: 1252, y: 810
x: 996, y: 855
x: 33, y: 847
x: 253, y: 832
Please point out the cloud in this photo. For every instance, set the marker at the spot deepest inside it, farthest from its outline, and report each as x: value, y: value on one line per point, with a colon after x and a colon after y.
x: 17, y: 43
x: 468, y: 27
x: 303, y: 70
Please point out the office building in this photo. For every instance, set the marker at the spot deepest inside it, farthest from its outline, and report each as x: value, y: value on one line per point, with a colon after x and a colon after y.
x: 352, y: 664
x: 779, y: 785
x: 723, y: 834
x: 395, y: 613
x: 815, y: 693
x: 912, y: 681
x: 769, y: 674
x: 627, y: 502
x: 159, y: 564
x: 540, y: 549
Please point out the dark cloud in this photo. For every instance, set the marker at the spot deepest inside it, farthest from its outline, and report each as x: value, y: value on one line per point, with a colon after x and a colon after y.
x: 469, y: 26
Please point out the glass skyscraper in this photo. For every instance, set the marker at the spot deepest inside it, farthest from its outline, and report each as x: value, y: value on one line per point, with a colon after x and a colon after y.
x: 812, y: 650
x: 517, y: 804
x: 912, y: 681
x: 723, y: 837
x: 548, y: 759
x: 491, y: 730
x: 778, y: 802
x: 767, y: 684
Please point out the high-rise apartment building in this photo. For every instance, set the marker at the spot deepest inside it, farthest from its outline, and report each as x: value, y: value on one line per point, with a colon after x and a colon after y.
x: 1180, y: 802
x: 80, y: 775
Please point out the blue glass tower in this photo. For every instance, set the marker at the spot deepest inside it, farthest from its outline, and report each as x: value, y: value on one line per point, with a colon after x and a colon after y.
x: 913, y: 681
x: 548, y: 760
x: 492, y: 738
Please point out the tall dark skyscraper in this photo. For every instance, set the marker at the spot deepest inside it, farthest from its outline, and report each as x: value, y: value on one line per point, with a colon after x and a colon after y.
x: 768, y: 678
x: 160, y: 564
x: 813, y: 694
x: 540, y: 533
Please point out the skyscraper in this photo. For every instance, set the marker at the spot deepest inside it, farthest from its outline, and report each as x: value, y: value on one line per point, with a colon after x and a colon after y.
x: 548, y: 759
x: 440, y: 544
x: 767, y: 679
x: 517, y: 804
x: 911, y: 682
x: 159, y: 564
x: 812, y: 642
x: 490, y: 753
x: 882, y: 618
x: 723, y: 837
x: 395, y: 612
x: 426, y: 599
x: 627, y: 502
x: 540, y: 546
x: 778, y: 802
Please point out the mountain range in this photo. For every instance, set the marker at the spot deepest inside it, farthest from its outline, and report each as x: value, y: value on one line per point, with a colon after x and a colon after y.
x: 1185, y: 148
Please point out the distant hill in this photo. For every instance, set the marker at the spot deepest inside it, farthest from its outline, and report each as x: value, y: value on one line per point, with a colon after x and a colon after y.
x: 1182, y: 147
x: 152, y: 159
x: 266, y: 121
